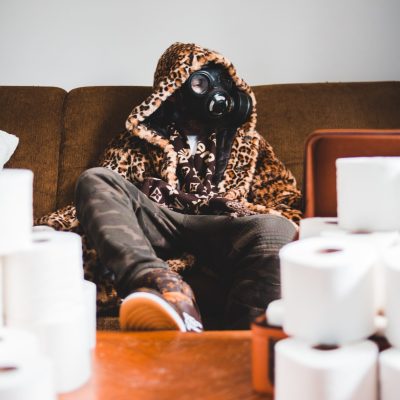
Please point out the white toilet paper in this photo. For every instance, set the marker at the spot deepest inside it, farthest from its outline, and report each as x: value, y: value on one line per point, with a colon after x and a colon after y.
x: 274, y: 313
x: 64, y: 339
x: 368, y: 189
x: 380, y: 325
x: 391, y: 262
x: 18, y: 344
x: 276, y: 309
x: 389, y: 372
x: 344, y: 373
x: 327, y: 287
x: 8, y: 144
x: 1, y: 293
x: 24, y: 372
x: 311, y: 227
x: 42, y: 228
x: 380, y: 242
x: 16, y: 210
x: 38, y: 280
x: 26, y: 380
x: 89, y: 290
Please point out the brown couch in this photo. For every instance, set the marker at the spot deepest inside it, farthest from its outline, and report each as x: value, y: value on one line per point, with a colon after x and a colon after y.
x: 63, y: 133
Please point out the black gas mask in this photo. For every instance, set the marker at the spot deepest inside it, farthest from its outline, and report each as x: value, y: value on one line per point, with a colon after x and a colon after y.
x: 211, y: 96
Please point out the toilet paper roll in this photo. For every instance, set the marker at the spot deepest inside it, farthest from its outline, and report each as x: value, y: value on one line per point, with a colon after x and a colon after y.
x: 38, y: 280
x: 18, y: 344
x: 16, y: 210
x: 368, y: 190
x: 380, y: 242
x: 274, y: 313
x: 389, y: 372
x: 64, y: 339
x: 380, y: 325
x: 26, y: 379
x: 327, y: 287
x: 391, y: 262
x: 89, y: 290
x: 276, y: 309
x: 42, y: 228
x: 311, y: 227
x: 1, y: 293
x: 343, y: 373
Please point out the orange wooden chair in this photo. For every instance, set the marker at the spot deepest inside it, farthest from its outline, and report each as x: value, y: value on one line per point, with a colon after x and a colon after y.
x: 323, y: 147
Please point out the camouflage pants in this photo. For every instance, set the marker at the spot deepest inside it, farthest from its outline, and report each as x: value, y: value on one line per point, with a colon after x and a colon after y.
x: 132, y: 234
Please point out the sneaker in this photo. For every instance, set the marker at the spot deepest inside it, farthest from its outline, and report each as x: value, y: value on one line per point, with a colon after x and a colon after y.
x: 149, y: 310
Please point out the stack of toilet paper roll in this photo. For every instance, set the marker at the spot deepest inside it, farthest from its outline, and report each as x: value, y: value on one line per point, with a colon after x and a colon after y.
x: 25, y: 373
x: 329, y: 311
x: 341, y: 276
x: 43, y: 291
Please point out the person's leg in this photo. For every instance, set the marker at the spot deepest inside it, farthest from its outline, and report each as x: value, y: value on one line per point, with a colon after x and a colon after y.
x: 244, y: 253
x: 256, y: 267
x: 130, y: 232
x: 133, y: 236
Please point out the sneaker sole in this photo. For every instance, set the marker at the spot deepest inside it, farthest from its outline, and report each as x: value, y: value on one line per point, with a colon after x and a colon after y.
x: 142, y: 311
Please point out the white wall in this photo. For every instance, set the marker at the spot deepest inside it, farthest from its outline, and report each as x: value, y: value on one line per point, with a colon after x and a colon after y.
x: 70, y: 43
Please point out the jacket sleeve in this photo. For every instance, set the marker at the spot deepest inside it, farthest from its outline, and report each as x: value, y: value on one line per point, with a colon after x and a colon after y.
x: 130, y: 157
x: 124, y: 155
x: 274, y: 188
x: 64, y: 219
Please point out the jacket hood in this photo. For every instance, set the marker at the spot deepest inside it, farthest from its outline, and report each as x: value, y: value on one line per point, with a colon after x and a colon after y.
x: 174, y: 67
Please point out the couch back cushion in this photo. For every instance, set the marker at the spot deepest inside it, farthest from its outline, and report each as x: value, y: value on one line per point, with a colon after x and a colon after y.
x: 93, y: 115
x: 288, y: 113
x: 34, y: 114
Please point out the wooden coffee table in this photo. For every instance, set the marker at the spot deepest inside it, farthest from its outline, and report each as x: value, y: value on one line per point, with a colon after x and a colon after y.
x: 170, y: 365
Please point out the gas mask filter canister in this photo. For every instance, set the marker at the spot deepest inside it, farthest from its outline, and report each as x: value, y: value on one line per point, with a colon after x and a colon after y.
x: 211, y: 96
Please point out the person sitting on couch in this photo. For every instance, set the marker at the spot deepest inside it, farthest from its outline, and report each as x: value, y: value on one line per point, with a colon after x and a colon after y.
x: 190, y: 176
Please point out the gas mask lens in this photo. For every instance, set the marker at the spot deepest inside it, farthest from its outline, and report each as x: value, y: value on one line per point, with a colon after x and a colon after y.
x: 199, y: 83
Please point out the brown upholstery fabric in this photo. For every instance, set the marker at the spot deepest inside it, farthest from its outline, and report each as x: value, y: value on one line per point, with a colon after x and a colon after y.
x: 93, y: 115
x: 288, y: 113
x: 34, y: 114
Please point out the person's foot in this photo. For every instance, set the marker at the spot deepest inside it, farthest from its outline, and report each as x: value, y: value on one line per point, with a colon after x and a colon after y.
x: 165, y: 303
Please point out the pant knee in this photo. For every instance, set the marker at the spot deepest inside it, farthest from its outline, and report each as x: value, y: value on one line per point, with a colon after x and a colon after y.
x: 97, y: 179
x: 267, y: 233
x: 92, y: 175
x: 275, y: 225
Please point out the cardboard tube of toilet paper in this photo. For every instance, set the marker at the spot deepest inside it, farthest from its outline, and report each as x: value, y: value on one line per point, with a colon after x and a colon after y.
x: 89, y: 289
x: 368, y: 190
x: 311, y: 227
x: 16, y: 210
x: 389, y: 372
x: 327, y: 287
x: 330, y: 373
x: 38, y: 280
x: 391, y: 262
x: 64, y: 339
x: 379, y: 241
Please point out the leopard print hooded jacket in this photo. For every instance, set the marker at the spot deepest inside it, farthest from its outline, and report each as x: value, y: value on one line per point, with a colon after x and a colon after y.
x: 253, y: 176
